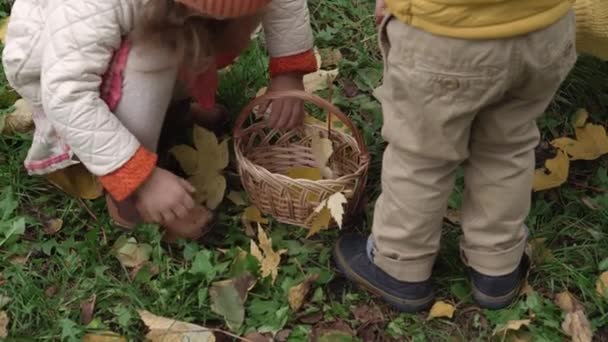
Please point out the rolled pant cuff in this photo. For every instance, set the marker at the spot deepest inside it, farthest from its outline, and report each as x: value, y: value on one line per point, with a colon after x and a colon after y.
x: 494, y: 264
x: 412, y: 271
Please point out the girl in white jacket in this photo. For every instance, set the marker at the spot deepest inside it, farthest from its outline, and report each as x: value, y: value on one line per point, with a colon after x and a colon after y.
x: 100, y: 75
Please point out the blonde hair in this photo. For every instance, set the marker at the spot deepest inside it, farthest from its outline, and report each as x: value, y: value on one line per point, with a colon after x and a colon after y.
x: 194, y: 37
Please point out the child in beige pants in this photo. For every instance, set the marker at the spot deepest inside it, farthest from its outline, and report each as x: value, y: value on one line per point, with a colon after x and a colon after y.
x: 463, y: 85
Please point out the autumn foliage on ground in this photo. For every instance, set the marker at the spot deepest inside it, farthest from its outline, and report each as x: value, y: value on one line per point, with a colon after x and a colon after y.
x: 67, y: 274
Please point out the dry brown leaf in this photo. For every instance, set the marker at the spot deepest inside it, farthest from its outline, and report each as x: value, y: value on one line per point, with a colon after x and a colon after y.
x: 330, y: 57
x: 591, y: 140
x: 322, y: 149
x: 53, y: 226
x: 87, y: 310
x: 237, y: 198
x: 310, y: 173
x: 20, y: 120
x: 19, y: 259
x: 601, y: 286
x: 512, y: 325
x: 442, y: 309
x: 566, y: 301
x: 269, y: 259
x: 130, y: 253
x: 557, y: 168
x: 77, y: 181
x: 169, y: 330
x: 370, y: 315
x: 577, y: 326
x: 335, y: 204
x: 253, y: 214
x: 103, y: 336
x: 298, y: 293
x: 3, y: 324
x: 204, y: 164
x: 526, y: 289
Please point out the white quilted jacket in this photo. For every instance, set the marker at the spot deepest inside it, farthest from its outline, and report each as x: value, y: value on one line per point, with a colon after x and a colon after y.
x: 57, y: 51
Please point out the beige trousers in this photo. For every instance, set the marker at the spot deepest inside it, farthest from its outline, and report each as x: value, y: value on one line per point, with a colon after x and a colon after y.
x: 450, y: 102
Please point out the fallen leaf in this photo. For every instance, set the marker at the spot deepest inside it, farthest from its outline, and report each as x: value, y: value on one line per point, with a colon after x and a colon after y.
x: 526, y: 289
x: 370, y: 315
x: 3, y: 324
x: 130, y: 253
x: 19, y: 259
x: 103, y: 336
x: 204, y: 164
x: 329, y: 57
x: 336, y: 336
x: 51, y: 291
x: 283, y: 335
x: 601, y: 286
x: 4, y: 300
x: 442, y: 309
x: 590, y: 203
x: 268, y: 258
x: 147, y: 266
x: 53, y: 226
x: 228, y: 299
x: 319, y: 80
x: 453, y: 216
x: 3, y: 29
x: 236, y: 198
x: 320, y: 221
x: 591, y: 140
x: 577, y: 326
x: 512, y: 325
x: 87, y: 310
x: 169, y: 330
x: 20, y: 120
x: 77, y: 181
x: 310, y: 173
x: 557, y: 168
x: 257, y: 337
x: 312, y: 318
x: 566, y: 301
x: 298, y: 293
x: 322, y: 149
x: 253, y: 214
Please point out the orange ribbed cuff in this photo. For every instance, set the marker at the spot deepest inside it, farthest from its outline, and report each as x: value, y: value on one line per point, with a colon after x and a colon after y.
x: 304, y: 63
x: 123, y: 182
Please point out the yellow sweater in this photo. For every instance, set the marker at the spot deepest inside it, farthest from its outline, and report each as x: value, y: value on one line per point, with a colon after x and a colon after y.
x: 492, y: 19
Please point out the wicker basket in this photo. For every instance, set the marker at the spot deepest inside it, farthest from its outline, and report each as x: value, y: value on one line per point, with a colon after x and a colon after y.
x: 265, y: 155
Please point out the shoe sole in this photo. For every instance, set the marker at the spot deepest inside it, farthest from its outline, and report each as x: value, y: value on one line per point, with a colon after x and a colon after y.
x: 403, y: 305
x: 494, y: 303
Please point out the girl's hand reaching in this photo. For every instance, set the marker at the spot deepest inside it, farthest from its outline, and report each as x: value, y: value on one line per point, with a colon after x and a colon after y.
x: 285, y: 113
x: 164, y: 197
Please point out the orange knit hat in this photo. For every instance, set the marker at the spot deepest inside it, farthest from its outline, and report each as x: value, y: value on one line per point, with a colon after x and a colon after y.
x: 223, y: 9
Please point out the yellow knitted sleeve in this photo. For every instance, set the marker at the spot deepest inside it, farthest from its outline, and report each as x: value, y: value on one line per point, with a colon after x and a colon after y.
x: 592, y: 27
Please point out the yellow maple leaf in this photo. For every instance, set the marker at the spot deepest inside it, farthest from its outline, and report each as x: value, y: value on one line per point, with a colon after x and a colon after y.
x: 76, y: 181
x: 601, y: 285
x: 204, y: 164
x: 3, y: 29
x: 169, y: 330
x: 558, y: 169
x: 591, y: 140
x: 269, y: 259
x: 297, y: 293
x: 566, y: 301
x: 576, y: 325
x: 512, y: 325
x: 236, y: 198
x: 442, y: 309
x: 333, y: 207
x: 322, y: 149
x: 320, y: 221
x: 253, y: 214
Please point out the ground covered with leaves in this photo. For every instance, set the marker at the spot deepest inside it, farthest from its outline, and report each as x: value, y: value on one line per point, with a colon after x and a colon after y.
x: 67, y: 274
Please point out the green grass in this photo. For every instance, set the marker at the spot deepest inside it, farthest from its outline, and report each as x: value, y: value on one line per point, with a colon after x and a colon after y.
x: 67, y: 268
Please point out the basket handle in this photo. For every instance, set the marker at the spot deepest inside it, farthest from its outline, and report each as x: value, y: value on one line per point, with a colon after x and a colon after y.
x: 304, y: 96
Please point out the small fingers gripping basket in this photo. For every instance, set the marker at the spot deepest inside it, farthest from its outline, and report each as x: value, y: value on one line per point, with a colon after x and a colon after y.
x: 265, y: 156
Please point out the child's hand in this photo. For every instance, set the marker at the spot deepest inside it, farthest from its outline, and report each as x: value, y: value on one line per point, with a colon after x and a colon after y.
x: 380, y: 6
x: 285, y: 113
x: 164, y: 197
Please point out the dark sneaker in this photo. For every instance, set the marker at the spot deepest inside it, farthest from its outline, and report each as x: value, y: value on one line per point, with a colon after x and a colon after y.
x: 350, y: 254
x: 498, y: 292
